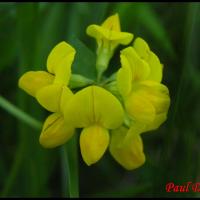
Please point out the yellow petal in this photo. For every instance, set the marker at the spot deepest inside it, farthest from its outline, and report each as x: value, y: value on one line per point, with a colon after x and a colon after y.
x: 59, y: 61
x: 139, y: 108
x: 94, y: 141
x: 65, y: 97
x: 159, y: 119
x: 49, y: 97
x: 142, y: 48
x: 124, y: 78
x: 93, y: 105
x: 55, y: 131
x: 140, y: 69
x: 156, y: 93
x: 62, y: 74
x: 32, y: 81
x: 54, y: 97
x: 112, y: 23
x: 156, y: 68
x: 127, y: 151
x: 99, y: 32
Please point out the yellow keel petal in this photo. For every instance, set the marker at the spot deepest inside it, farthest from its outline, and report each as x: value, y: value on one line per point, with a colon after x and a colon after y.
x: 55, y: 131
x: 94, y: 141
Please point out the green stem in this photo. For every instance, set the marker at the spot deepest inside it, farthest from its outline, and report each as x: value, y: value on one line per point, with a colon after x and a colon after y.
x: 77, y: 81
x: 64, y: 176
x: 70, y: 156
x: 103, y: 58
x: 14, y: 110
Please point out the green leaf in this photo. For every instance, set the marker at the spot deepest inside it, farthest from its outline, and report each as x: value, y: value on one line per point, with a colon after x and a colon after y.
x: 85, y: 59
x: 71, y: 161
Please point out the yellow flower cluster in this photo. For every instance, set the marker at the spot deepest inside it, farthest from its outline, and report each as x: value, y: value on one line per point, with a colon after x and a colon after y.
x: 108, y: 119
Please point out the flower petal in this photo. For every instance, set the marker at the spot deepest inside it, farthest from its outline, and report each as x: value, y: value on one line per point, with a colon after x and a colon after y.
x: 54, y: 97
x: 139, y: 108
x: 124, y: 78
x: 92, y: 105
x: 59, y: 61
x: 156, y: 68
x: 159, y: 119
x: 142, y: 48
x: 145, y: 53
x: 94, y: 141
x: 55, y: 131
x: 99, y: 32
x: 127, y: 148
x: 156, y: 93
x: 110, y: 30
x: 140, y: 69
x: 65, y: 97
x: 32, y: 81
x: 112, y: 23
x: 49, y: 97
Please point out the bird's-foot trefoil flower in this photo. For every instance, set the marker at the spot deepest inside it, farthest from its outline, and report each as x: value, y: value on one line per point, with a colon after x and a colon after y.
x: 146, y: 100
x: 51, y: 91
x: 96, y: 111
x: 108, y: 37
x: 112, y: 112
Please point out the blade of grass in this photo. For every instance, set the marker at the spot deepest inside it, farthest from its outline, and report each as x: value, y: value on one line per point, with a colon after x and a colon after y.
x: 64, y: 176
x: 70, y: 157
x: 19, y: 114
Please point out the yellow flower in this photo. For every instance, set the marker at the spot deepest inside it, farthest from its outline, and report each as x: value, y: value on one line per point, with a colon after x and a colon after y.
x: 109, y: 34
x: 146, y: 99
x: 96, y: 111
x: 108, y: 37
x: 51, y: 91
x: 126, y: 146
x: 137, y: 102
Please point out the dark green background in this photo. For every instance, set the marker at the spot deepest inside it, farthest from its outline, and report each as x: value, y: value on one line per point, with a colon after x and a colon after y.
x: 28, y: 31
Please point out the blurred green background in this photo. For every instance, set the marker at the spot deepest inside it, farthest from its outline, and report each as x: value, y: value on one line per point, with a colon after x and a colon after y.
x: 28, y: 31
